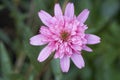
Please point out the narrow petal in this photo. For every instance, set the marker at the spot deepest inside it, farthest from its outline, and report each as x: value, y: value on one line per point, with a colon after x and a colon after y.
x: 83, y: 15
x: 56, y: 55
x: 92, y: 39
x: 44, y: 54
x: 45, y: 17
x: 78, y: 60
x: 45, y: 31
x: 57, y: 10
x: 65, y: 63
x: 86, y: 48
x: 69, y: 10
x: 37, y: 40
x: 58, y: 14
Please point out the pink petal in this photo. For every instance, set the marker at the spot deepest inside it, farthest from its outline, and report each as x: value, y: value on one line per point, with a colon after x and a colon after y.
x: 44, y: 54
x: 56, y: 55
x: 45, y: 31
x: 78, y: 60
x: 65, y: 63
x: 69, y: 10
x: 45, y: 17
x: 37, y: 40
x: 57, y: 10
x: 83, y: 15
x: 92, y: 39
x: 86, y: 48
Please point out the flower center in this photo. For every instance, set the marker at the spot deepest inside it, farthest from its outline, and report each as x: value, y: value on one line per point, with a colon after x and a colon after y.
x: 64, y: 35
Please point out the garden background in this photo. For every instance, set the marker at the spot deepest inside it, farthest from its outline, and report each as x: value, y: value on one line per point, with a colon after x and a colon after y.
x: 19, y: 21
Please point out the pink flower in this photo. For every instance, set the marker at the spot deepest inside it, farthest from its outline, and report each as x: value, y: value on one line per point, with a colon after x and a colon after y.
x: 64, y: 35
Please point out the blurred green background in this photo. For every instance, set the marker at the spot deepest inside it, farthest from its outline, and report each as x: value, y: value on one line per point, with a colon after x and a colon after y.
x: 19, y: 21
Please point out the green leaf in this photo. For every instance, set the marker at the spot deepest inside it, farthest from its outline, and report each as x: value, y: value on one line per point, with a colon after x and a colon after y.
x: 109, y: 8
x: 5, y: 61
x: 72, y: 74
x: 31, y: 51
x: 4, y: 37
x: 14, y: 76
x: 56, y: 69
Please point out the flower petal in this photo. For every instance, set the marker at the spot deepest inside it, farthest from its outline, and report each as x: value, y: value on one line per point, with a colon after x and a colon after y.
x: 69, y: 10
x: 78, y: 60
x: 57, y: 10
x: 45, y: 31
x: 86, y: 48
x: 44, y: 54
x: 65, y: 63
x: 37, y: 40
x: 92, y: 39
x: 83, y: 15
x: 58, y: 14
x: 45, y: 17
x: 56, y: 55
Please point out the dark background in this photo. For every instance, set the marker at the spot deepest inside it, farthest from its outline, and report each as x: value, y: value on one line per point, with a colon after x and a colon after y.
x: 19, y: 21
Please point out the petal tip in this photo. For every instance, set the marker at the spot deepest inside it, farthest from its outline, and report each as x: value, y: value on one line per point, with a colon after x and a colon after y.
x: 86, y: 48
x: 81, y: 66
x: 78, y: 60
x: 92, y: 39
x: 69, y: 10
x: 45, y: 17
x: 65, y: 64
x: 39, y: 60
x: 39, y: 13
x: 82, y: 17
x: 87, y: 10
x: 31, y: 42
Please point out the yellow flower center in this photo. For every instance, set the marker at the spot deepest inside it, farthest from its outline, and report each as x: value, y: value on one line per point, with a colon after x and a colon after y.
x: 64, y: 35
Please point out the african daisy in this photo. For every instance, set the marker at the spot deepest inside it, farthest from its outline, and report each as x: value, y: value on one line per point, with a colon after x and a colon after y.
x: 64, y: 35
